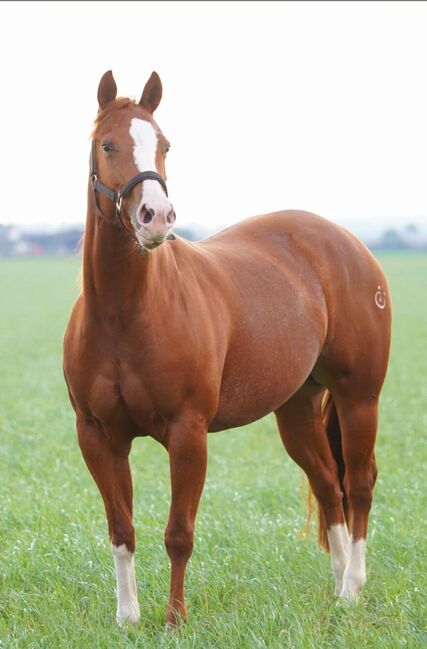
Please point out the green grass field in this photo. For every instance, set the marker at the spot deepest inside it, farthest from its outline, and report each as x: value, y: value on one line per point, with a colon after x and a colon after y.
x: 253, y: 580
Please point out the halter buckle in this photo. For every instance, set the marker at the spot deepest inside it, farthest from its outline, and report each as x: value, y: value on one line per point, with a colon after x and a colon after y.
x: 119, y: 202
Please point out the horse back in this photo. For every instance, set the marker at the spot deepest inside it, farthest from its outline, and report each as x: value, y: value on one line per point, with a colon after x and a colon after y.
x: 313, y: 301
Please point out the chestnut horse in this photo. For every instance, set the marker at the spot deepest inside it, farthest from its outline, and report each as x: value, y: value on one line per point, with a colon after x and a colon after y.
x: 284, y: 312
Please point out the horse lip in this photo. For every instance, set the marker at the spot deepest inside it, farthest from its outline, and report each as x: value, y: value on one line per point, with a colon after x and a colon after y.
x: 159, y: 239
x: 155, y: 241
x: 150, y: 244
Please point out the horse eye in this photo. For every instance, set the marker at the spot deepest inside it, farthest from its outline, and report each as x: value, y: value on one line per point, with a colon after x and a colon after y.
x: 167, y: 149
x: 108, y: 148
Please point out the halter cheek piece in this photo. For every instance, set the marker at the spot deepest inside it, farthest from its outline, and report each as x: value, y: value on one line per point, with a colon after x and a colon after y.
x: 117, y: 197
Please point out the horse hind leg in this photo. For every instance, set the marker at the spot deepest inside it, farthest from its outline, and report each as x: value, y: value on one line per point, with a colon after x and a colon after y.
x: 305, y: 438
x: 358, y: 421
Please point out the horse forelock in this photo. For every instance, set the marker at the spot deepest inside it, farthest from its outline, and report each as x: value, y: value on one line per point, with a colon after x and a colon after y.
x: 117, y: 104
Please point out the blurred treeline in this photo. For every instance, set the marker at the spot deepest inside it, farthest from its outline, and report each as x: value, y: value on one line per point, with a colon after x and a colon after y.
x: 20, y: 242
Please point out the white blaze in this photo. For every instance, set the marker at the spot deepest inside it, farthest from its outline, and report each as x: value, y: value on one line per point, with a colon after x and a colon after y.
x: 127, y: 599
x: 144, y: 153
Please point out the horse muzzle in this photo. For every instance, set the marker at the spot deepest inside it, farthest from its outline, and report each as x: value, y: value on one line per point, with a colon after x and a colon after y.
x: 153, y: 226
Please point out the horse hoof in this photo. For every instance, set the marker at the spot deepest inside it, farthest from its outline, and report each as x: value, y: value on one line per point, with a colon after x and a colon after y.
x: 175, y: 617
x: 348, y: 597
x: 129, y: 616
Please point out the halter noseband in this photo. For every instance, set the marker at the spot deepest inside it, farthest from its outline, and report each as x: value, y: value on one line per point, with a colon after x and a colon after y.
x: 117, y: 197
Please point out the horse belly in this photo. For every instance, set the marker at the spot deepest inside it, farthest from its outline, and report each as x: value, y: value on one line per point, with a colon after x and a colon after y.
x: 262, y: 374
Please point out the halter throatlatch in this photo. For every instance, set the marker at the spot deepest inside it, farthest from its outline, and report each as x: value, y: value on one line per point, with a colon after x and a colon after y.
x: 117, y: 197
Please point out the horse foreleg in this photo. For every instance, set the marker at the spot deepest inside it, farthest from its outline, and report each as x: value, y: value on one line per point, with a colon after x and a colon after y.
x: 109, y: 466
x: 187, y: 446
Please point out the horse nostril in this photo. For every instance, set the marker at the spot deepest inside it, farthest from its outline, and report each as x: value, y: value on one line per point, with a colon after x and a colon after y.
x: 171, y: 217
x: 148, y: 214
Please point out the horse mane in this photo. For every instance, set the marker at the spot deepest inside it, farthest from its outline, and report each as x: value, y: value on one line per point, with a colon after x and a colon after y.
x: 117, y: 104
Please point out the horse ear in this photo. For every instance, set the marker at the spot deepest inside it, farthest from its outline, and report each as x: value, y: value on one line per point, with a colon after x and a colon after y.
x: 107, y: 89
x: 152, y: 93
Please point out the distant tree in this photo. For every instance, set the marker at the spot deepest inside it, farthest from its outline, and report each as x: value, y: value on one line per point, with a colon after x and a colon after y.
x: 412, y: 228
x: 189, y: 233
x: 392, y: 240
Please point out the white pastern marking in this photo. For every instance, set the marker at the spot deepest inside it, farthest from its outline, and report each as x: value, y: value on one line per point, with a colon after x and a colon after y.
x: 379, y: 298
x: 354, y: 574
x: 339, y: 546
x: 144, y: 154
x: 127, y: 600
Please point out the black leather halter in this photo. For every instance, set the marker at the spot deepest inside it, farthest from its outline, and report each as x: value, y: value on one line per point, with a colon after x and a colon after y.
x: 117, y: 197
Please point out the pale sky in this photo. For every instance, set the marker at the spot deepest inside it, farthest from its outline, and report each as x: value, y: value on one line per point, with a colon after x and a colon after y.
x: 319, y: 106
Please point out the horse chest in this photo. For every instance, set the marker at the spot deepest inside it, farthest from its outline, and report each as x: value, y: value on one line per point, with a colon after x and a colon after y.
x: 124, y: 389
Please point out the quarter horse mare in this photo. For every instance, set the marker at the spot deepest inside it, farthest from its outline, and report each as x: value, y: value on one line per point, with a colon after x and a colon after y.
x: 284, y: 312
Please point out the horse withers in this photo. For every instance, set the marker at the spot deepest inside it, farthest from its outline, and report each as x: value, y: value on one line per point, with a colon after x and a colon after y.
x: 284, y: 312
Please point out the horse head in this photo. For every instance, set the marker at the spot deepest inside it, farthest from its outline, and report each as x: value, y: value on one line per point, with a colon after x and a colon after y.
x: 128, y: 162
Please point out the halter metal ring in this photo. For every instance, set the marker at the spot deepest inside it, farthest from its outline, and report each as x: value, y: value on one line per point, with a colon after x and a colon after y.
x: 119, y: 202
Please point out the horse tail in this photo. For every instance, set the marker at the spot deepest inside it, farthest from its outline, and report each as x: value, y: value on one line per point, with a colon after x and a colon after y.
x: 333, y: 430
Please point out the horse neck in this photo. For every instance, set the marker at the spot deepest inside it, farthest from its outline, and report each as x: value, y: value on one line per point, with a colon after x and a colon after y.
x: 114, y: 270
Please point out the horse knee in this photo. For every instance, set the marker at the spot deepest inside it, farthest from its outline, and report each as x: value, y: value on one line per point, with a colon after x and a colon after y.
x: 360, y: 496
x: 327, y: 492
x: 179, y: 541
x: 359, y: 482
